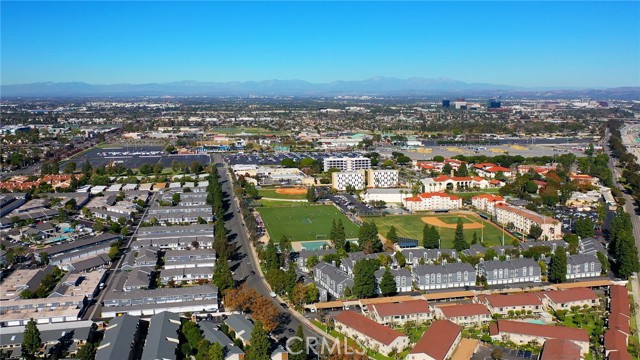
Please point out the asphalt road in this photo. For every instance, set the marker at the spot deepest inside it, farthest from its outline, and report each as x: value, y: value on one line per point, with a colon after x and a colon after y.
x: 246, y: 264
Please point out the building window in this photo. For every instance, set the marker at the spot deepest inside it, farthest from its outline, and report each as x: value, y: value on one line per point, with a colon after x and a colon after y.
x: 593, y: 266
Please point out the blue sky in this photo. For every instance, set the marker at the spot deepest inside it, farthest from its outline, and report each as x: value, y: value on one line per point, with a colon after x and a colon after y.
x: 534, y: 44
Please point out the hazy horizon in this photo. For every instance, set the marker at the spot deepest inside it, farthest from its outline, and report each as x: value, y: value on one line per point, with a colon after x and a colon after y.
x: 572, y: 45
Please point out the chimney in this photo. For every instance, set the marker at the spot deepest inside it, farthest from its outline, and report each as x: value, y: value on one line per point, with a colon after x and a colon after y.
x: 451, y: 172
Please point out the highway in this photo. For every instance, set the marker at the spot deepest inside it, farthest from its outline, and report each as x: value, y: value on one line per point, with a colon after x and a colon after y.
x: 246, y: 266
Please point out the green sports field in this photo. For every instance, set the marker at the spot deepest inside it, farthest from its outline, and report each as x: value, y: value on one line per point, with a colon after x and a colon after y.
x: 304, y: 223
x: 411, y: 226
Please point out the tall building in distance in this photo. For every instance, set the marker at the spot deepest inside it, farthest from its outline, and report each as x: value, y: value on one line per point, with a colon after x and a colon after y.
x: 446, y: 103
x: 347, y: 163
x: 493, y: 104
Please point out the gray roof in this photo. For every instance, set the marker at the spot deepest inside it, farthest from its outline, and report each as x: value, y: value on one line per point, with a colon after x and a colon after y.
x: 49, y: 333
x: 86, y: 242
x: 162, y: 338
x: 517, y: 263
x: 591, y: 246
x: 139, y: 278
x: 211, y: 332
x: 135, y: 294
x: 442, y: 269
x: 175, y: 231
x: 184, y: 271
x: 35, y: 281
x: 581, y: 259
x: 240, y: 325
x: 119, y: 338
x: 551, y: 244
x: 91, y: 263
x: 475, y: 249
x: 394, y: 272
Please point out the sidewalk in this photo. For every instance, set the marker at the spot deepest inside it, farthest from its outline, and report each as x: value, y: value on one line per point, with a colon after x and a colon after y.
x: 635, y: 291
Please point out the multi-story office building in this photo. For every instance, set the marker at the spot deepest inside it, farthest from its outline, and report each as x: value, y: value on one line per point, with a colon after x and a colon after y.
x: 347, y: 163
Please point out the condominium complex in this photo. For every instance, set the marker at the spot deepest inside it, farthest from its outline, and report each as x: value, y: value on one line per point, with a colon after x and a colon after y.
x: 433, y: 201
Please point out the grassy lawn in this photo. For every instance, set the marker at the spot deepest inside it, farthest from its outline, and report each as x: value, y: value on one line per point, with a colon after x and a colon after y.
x: 271, y: 193
x: 303, y: 223
x: 411, y: 226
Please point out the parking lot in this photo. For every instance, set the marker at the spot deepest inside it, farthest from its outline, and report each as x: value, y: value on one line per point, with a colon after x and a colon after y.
x: 276, y: 158
x: 135, y: 156
x: 569, y: 216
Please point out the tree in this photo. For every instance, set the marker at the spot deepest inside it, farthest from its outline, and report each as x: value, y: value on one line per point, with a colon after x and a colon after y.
x: 400, y: 258
x: 215, y: 352
x: 87, y: 351
x: 222, y: 276
x: 496, y: 354
x: 170, y: 149
x: 459, y: 242
x: 430, y: 237
x: 285, y: 247
x: 259, y: 349
x: 368, y: 238
x: 195, y: 167
x: 297, y: 348
x: 388, y: 284
x: 558, y: 267
x: 175, y: 199
x: 70, y: 167
x: 311, y: 194
x: 44, y: 258
x: 584, y: 228
x: 312, y: 261
x: 364, y: 280
x: 535, y: 231
x: 392, y: 235
x: 31, y: 342
x: 271, y: 258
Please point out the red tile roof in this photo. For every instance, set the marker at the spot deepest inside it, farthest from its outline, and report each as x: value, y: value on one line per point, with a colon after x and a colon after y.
x: 439, y: 338
x: 498, y: 301
x: 430, y: 195
x: 543, y: 331
x: 619, y: 322
x: 368, y: 327
x: 570, y: 295
x: 556, y: 349
x: 619, y: 300
x: 614, y: 340
x: 489, y: 197
x: 464, y: 310
x: 498, y: 169
x: 402, y: 308
x: 620, y: 355
x: 533, y: 216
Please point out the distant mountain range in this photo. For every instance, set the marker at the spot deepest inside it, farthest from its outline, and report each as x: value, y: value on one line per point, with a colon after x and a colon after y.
x: 375, y: 86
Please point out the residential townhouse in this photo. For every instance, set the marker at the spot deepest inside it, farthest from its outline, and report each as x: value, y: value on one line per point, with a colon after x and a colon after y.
x: 120, y: 339
x: 397, y: 314
x: 149, y: 302
x: 371, y: 334
x: 524, y: 332
x: 304, y: 255
x: 163, y: 337
x: 175, y: 243
x: 67, y: 252
x: 566, y: 299
x: 51, y: 335
x: 402, y: 278
x: 186, y: 275
x: 555, y: 349
x: 503, y: 304
x: 137, y: 279
x: 466, y: 315
x: 583, y: 266
x: 212, y: 334
x: 445, y: 276
x: 421, y: 256
x: 438, y: 342
x: 146, y: 257
x: 332, y: 279
x: 519, y: 270
x: 241, y: 326
x: 182, y: 231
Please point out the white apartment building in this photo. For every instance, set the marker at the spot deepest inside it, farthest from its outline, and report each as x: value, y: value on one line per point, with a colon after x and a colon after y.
x: 347, y: 163
x: 433, y: 201
x: 487, y: 202
x: 340, y: 180
x: 382, y: 178
x: 523, y: 219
